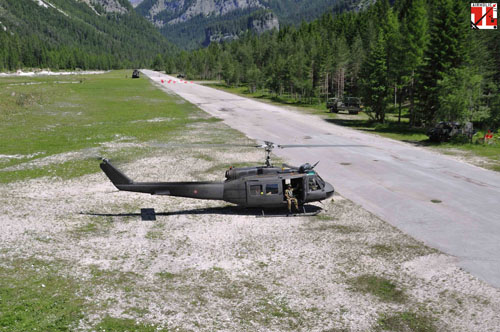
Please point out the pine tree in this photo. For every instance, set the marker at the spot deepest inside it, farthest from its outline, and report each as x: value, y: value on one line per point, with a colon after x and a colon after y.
x: 415, y: 39
x: 394, y: 54
x: 158, y: 63
x: 355, y: 63
x: 460, y: 94
x: 341, y: 57
x: 445, y: 51
x: 374, y: 83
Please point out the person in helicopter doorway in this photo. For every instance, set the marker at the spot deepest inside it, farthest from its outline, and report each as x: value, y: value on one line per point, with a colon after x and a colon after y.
x: 290, y: 198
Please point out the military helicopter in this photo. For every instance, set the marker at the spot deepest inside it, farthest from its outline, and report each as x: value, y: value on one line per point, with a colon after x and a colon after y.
x: 252, y: 187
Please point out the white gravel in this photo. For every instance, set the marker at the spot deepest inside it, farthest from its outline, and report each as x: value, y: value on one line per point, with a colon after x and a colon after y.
x: 225, y: 269
x: 21, y: 73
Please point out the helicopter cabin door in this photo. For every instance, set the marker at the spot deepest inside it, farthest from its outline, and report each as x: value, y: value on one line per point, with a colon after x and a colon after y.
x: 266, y: 193
x: 298, y: 185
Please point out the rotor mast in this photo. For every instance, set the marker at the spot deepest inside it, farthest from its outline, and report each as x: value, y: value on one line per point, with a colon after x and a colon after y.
x: 268, y: 148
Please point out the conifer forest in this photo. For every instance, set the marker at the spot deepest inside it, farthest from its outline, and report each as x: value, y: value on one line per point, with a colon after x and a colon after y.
x: 418, y: 55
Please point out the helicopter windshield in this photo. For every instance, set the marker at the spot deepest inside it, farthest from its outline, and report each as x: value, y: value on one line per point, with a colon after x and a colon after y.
x: 315, y: 183
x: 320, y: 180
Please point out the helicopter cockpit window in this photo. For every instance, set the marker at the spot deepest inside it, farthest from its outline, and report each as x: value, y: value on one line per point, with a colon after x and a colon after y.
x: 315, y: 183
x: 255, y: 190
x: 272, y: 189
x: 320, y: 181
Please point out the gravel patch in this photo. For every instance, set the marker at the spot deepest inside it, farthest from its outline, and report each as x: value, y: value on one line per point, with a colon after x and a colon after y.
x: 225, y: 269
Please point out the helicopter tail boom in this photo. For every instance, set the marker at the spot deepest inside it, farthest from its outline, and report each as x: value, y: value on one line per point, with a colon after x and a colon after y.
x: 200, y: 190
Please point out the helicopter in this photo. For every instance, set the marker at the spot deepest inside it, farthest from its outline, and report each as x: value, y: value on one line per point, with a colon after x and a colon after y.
x: 250, y: 187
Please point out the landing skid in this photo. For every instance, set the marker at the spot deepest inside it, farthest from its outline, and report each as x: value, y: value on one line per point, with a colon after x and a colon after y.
x: 303, y: 213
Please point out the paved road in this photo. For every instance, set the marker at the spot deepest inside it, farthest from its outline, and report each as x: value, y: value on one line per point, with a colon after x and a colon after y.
x: 393, y: 180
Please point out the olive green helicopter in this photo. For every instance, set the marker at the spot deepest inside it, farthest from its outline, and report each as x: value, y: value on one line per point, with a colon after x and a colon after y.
x: 260, y: 186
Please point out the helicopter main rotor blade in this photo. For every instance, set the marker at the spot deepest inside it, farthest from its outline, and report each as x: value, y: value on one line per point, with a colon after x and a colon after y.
x: 266, y: 144
x: 286, y: 146
x: 201, y: 145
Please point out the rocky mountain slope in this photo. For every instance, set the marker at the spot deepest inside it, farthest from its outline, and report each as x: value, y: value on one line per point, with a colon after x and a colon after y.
x: 135, y: 2
x: 75, y: 34
x: 190, y: 23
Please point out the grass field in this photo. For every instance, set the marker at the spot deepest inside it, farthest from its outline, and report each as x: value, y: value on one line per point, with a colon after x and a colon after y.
x: 43, y: 118
x: 484, y: 155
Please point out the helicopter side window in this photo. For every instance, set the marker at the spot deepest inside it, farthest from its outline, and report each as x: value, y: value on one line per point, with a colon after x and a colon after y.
x: 272, y: 189
x: 255, y: 190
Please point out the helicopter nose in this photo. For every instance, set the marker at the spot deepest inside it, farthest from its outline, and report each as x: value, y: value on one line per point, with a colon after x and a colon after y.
x: 329, y: 190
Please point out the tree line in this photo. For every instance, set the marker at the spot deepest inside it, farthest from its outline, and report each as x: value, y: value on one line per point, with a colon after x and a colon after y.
x: 32, y: 36
x: 417, y: 55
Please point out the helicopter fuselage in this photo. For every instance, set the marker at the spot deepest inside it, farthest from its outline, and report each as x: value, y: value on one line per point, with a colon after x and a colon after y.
x: 259, y: 186
x: 265, y: 186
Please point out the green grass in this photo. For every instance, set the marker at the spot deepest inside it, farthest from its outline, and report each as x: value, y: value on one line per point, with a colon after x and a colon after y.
x: 111, y: 324
x: 383, y: 288
x: 391, y: 129
x: 154, y: 235
x: 50, y: 118
x: 405, y: 321
x: 33, y: 296
x: 406, y: 251
x: 166, y: 275
x: 270, y: 311
x: 341, y: 229
x: 115, y: 279
x: 489, y: 151
x: 97, y: 226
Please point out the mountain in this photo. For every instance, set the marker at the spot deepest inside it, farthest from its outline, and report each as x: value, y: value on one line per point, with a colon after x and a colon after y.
x: 259, y: 22
x: 76, y: 34
x: 135, y: 3
x: 191, y: 23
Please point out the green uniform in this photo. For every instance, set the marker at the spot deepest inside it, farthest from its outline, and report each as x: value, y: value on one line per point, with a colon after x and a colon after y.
x: 290, y: 199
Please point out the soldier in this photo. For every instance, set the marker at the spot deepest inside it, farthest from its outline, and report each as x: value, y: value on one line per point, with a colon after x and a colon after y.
x: 290, y: 198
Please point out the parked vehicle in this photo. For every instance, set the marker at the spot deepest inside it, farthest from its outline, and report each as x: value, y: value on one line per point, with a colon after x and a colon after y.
x: 445, y: 130
x: 350, y: 104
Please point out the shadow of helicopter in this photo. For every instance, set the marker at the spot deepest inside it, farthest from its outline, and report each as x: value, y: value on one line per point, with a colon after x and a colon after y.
x: 306, y: 210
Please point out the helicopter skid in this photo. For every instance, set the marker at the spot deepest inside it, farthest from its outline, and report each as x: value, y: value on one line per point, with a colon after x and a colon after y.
x: 304, y: 213
x: 308, y: 214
